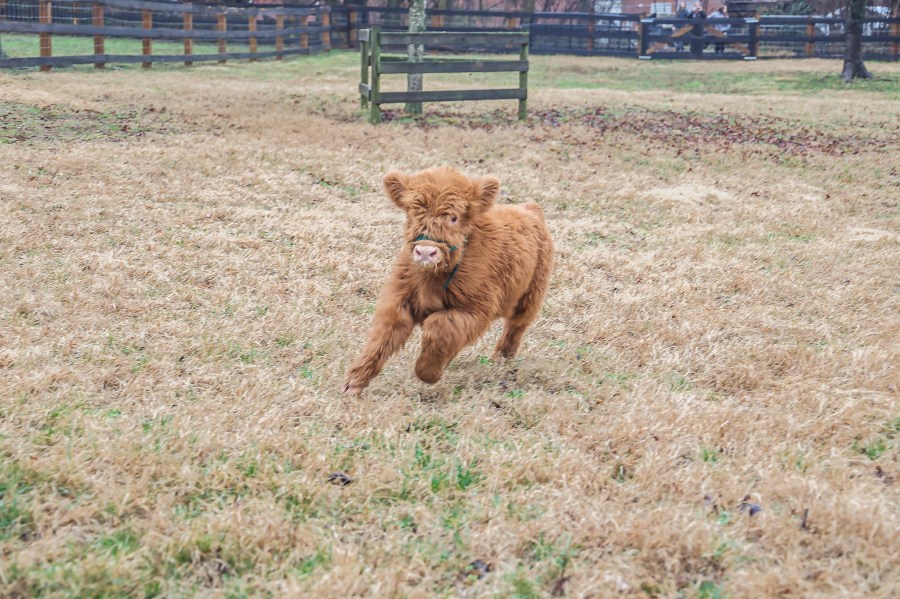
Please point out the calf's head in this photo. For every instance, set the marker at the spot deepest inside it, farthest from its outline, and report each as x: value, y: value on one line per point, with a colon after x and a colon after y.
x: 442, y: 206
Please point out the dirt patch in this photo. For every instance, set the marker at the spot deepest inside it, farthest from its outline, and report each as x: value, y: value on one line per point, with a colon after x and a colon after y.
x: 683, y: 130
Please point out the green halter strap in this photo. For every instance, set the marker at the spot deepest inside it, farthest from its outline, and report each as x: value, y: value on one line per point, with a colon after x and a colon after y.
x: 453, y: 248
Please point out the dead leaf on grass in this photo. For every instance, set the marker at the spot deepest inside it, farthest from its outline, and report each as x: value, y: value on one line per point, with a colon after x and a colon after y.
x: 340, y: 478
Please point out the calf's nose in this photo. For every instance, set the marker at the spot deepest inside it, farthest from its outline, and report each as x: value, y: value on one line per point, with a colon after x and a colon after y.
x: 425, y: 253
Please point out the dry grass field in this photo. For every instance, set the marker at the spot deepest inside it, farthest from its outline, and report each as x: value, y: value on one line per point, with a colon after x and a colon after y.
x: 708, y: 406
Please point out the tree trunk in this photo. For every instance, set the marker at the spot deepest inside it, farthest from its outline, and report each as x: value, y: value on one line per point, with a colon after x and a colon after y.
x: 415, y: 52
x: 853, y: 63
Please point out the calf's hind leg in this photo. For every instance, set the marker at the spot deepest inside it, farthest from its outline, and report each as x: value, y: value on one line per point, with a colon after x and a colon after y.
x: 527, y: 310
x: 508, y: 345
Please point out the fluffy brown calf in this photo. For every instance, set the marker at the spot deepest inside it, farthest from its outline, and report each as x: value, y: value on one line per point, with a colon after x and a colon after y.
x: 465, y: 262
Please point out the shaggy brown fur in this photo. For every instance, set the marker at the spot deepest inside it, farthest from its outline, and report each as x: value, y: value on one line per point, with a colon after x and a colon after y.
x: 465, y: 263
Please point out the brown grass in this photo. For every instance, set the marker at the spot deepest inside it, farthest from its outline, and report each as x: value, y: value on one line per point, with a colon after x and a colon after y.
x: 182, y: 290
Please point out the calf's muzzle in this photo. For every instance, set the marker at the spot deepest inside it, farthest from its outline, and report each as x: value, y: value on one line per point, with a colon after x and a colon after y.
x: 426, y: 254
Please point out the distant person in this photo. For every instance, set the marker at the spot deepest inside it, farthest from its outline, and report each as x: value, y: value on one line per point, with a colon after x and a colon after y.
x: 681, y: 13
x: 697, y: 11
x: 723, y: 28
x: 697, y: 44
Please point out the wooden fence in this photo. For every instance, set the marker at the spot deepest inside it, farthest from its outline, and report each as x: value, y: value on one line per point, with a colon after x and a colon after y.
x: 287, y: 30
x: 602, y: 34
x: 373, y: 61
x: 694, y: 38
x: 266, y: 31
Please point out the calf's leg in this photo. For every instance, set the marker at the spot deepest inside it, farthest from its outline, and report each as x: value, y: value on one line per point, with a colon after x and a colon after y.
x: 509, y: 342
x: 528, y: 307
x: 390, y: 330
x: 444, y: 334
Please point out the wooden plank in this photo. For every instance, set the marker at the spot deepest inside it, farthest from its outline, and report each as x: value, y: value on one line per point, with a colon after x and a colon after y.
x: 251, y: 28
x: 565, y: 32
x: 326, y: 34
x: 97, y: 20
x: 452, y: 39
x: 836, y: 38
x: 188, y: 40
x: 366, y: 92
x: 644, y: 40
x: 352, y: 37
x: 199, y: 9
x: 592, y: 26
x: 46, y: 41
x: 147, y: 45
x: 279, y: 39
x: 159, y: 7
x: 523, y: 83
x: 456, y: 66
x: 895, y: 30
x: 65, y: 61
x: 221, y: 27
x: 304, y: 37
x: 452, y: 95
x: 363, y: 35
x: 375, y: 95
x: 364, y: 71
x: 136, y: 32
x: 810, y: 32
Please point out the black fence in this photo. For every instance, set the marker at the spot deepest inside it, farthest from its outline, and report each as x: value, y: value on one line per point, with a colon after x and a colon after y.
x: 260, y: 31
x: 599, y: 34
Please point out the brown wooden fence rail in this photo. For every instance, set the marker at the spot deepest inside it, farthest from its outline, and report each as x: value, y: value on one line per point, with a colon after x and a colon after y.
x: 291, y: 30
x: 288, y: 30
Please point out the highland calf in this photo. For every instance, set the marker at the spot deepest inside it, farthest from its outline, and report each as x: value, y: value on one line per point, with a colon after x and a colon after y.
x: 465, y: 262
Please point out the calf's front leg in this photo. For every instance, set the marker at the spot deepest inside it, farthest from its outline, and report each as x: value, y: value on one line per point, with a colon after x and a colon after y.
x: 444, y: 334
x: 390, y: 330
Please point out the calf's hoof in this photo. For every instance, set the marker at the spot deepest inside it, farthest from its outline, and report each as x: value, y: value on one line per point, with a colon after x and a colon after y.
x: 428, y: 373
x: 353, y: 387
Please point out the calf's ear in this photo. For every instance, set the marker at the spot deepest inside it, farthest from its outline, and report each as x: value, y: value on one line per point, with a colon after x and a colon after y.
x: 395, y: 186
x: 487, y: 189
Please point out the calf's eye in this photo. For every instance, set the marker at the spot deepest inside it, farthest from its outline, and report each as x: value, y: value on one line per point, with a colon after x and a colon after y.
x: 453, y: 219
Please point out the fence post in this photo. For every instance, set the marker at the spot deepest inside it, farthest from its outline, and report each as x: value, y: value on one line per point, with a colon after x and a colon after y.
x: 97, y: 20
x: 810, y: 32
x: 251, y: 28
x: 895, y: 31
x: 375, y: 44
x: 45, y: 18
x: 279, y: 40
x: 643, y: 40
x: 351, y: 30
x: 147, y: 23
x: 222, y: 26
x: 753, y: 45
x: 523, y: 83
x: 304, y: 37
x: 698, y: 31
x: 189, y: 38
x: 364, y: 67
x: 592, y: 27
x: 531, y: 28
x: 326, y: 34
